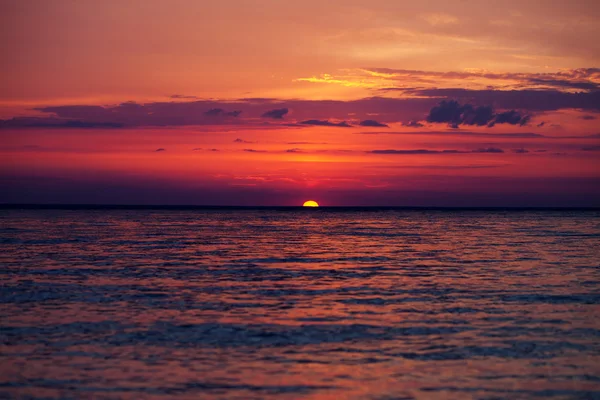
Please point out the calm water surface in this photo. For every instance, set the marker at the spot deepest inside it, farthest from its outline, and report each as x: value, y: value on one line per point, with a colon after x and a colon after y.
x: 242, y: 304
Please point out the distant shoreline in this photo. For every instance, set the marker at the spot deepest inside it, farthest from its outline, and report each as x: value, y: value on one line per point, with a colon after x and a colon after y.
x: 77, y: 207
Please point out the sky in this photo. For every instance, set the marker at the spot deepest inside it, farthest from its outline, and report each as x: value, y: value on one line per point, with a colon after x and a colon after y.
x: 269, y: 102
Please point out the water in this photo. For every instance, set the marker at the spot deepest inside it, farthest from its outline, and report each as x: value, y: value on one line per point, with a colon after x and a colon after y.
x: 244, y: 304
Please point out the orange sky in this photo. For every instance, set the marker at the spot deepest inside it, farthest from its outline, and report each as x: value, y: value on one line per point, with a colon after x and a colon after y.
x: 272, y: 102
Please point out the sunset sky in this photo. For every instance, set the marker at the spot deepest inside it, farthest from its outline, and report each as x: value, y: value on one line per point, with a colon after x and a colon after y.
x: 271, y: 102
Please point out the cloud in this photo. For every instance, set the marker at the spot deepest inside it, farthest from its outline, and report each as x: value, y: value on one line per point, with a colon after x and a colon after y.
x: 471, y: 108
x: 489, y: 150
x: 387, y: 79
x: 437, y: 166
x: 160, y: 149
x: 254, y: 151
x: 511, y: 117
x: 372, y: 122
x: 306, y: 143
x: 182, y: 96
x: 417, y: 151
x: 86, y: 124
x: 277, y: 113
x: 588, y: 117
x: 525, y: 120
x: 521, y: 151
x: 37, y: 122
x: 447, y: 111
x: 294, y: 150
x: 413, y: 124
x: 239, y: 140
x: 219, y: 112
x: 318, y: 122
x: 179, y: 113
x: 477, y: 115
x: 591, y: 148
x: 531, y: 100
x: 563, y: 83
x: 520, y: 135
x: 214, y: 112
x: 425, y: 151
x: 455, y: 114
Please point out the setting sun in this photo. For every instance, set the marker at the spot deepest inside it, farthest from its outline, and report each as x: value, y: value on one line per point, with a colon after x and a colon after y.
x: 310, y: 203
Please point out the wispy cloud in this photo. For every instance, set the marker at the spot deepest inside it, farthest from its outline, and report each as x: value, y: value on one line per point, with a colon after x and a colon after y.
x: 430, y: 151
x: 404, y: 80
x: 513, y: 135
x: 183, y: 97
x: 318, y: 122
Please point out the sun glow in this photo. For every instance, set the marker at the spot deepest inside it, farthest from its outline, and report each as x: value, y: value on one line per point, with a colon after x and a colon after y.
x: 310, y: 203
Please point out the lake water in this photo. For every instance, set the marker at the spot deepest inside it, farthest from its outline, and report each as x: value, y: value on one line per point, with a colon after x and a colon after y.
x: 317, y: 304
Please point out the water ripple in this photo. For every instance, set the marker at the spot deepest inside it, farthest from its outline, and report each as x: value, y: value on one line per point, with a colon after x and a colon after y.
x: 265, y: 304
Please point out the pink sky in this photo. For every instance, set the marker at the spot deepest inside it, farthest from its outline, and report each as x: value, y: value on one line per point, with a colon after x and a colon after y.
x: 272, y: 103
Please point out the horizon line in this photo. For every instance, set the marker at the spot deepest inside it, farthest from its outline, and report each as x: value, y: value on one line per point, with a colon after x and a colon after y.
x: 91, y: 206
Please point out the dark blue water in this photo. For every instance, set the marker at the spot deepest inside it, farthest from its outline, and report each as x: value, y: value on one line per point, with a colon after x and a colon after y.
x: 320, y: 304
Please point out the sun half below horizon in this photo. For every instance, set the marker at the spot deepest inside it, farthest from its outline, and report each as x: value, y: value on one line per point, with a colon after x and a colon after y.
x: 310, y: 203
